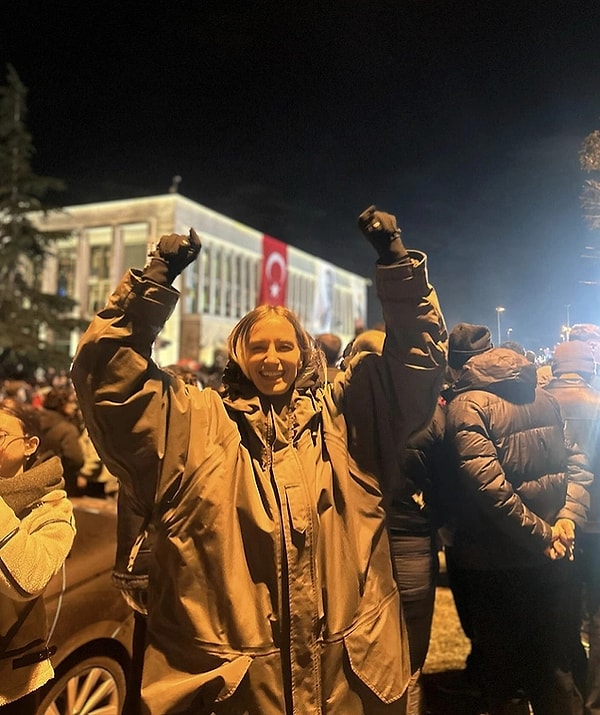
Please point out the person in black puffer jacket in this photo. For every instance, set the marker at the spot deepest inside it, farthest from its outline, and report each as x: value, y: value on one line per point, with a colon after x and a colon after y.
x: 573, y: 367
x: 520, y: 489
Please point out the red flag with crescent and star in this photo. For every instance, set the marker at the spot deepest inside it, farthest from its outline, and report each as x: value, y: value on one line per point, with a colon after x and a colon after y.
x: 273, y: 283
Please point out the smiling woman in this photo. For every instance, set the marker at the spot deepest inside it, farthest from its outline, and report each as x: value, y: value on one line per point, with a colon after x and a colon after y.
x: 271, y: 347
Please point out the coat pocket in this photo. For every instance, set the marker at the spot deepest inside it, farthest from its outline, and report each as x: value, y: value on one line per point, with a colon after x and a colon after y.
x: 168, y: 690
x: 378, y: 652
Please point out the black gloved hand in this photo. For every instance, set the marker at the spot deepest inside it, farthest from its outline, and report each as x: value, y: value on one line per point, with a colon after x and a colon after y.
x: 172, y: 255
x: 382, y: 232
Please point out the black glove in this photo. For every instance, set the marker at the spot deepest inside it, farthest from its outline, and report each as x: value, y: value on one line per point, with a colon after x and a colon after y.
x: 172, y: 255
x: 383, y: 234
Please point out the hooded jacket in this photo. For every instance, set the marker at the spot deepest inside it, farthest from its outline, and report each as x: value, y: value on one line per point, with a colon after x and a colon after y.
x: 513, y: 474
x: 62, y: 438
x: 580, y: 408
x: 271, y: 587
x: 34, y: 543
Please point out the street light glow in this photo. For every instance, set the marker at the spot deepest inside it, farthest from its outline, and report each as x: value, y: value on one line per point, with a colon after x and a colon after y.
x: 499, y: 309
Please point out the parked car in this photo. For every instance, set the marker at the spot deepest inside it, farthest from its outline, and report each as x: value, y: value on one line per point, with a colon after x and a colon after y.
x: 90, y: 624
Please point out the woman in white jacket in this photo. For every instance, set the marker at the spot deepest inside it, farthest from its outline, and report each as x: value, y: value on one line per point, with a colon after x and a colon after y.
x: 36, y: 534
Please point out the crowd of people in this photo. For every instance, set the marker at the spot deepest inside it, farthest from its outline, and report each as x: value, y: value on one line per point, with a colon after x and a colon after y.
x: 292, y: 510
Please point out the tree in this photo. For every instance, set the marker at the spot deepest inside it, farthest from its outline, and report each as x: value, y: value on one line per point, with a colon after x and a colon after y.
x: 31, y: 322
x: 589, y: 160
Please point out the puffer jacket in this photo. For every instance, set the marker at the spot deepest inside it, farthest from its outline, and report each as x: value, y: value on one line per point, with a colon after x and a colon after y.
x: 580, y: 407
x: 513, y: 473
x: 32, y: 550
x: 414, y: 503
x: 271, y: 589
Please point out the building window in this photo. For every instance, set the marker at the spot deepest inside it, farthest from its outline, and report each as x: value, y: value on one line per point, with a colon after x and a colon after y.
x: 66, y: 271
x: 205, y: 279
x: 190, y: 289
x: 99, y: 267
x: 217, y: 281
x: 135, y: 246
x: 227, y: 284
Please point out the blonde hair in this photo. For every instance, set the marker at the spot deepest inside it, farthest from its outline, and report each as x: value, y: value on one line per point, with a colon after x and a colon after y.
x: 311, y: 357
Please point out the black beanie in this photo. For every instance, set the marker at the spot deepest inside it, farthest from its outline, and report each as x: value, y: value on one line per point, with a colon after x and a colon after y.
x: 466, y: 340
x: 573, y: 356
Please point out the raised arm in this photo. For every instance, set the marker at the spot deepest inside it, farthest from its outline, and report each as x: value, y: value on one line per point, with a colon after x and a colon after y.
x: 122, y: 393
x: 385, y: 398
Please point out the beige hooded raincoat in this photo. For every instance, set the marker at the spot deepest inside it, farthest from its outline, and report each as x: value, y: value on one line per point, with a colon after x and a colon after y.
x: 271, y: 587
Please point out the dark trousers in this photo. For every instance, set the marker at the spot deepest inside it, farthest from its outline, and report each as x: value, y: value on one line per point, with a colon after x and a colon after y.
x: 522, y: 628
x: 416, y: 566
x: 589, y: 545
x: 456, y: 582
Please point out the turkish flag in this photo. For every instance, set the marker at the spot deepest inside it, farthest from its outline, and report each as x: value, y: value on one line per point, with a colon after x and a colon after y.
x: 273, y: 281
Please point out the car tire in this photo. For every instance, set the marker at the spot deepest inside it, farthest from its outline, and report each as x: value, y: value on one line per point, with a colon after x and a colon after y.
x: 96, y: 684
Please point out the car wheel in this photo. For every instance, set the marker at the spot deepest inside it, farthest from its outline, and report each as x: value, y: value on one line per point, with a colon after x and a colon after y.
x: 93, y: 686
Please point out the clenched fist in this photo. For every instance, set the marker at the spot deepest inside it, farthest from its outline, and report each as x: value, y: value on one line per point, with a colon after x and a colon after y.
x: 383, y: 234
x: 172, y: 255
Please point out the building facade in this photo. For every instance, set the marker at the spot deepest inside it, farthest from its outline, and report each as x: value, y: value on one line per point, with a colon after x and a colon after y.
x: 226, y: 282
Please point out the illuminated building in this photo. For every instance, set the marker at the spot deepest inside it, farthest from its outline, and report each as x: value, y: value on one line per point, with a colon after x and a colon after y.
x: 107, y: 238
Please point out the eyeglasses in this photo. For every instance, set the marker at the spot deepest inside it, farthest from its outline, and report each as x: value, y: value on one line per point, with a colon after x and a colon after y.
x: 6, y: 438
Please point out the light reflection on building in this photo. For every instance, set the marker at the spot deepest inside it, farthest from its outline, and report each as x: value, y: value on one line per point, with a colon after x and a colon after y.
x: 109, y: 237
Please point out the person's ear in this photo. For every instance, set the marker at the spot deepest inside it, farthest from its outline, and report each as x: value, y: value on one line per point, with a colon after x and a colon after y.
x: 31, y: 444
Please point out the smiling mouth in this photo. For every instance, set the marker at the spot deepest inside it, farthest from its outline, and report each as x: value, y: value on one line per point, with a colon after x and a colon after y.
x: 271, y: 375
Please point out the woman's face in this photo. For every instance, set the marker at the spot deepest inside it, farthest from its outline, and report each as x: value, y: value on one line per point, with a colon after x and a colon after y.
x: 272, y: 355
x: 15, y: 446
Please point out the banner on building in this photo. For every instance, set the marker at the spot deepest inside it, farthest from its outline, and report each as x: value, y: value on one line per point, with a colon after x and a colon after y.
x: 273, y: 282
x: 323, y: 305
x: 359, y: 306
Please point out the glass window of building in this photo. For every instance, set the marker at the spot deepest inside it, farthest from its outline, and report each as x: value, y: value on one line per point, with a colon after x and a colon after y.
x: 205, y: 279
x: 217, y: 280
x: 190, y: 289
x: 66, y: 272
x: 99, y: 267
x: 227, y: 283
x: 135, y: 246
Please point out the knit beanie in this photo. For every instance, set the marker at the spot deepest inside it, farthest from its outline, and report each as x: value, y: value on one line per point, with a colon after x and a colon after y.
x: 466, y: 340
x: 573, y: 356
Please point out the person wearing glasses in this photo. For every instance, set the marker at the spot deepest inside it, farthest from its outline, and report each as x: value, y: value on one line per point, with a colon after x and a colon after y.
x: 36, y: 534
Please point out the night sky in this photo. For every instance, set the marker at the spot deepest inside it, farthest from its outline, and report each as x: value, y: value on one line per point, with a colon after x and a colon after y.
x: 462, y: 118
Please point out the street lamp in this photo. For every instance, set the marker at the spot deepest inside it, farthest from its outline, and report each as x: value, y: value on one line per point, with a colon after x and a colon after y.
x: 499, y: 310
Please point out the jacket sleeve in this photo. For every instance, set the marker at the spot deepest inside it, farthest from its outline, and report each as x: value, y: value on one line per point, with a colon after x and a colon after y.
x: 580, y: 478
x: 34, y: 548
x: 386, y: 398
x: 474, y: 460
x: 122, y: 393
